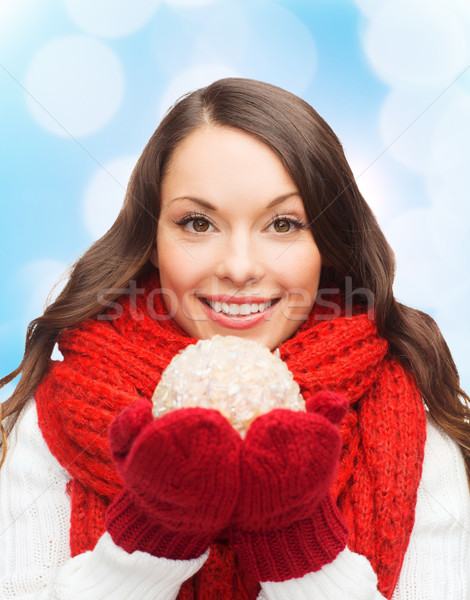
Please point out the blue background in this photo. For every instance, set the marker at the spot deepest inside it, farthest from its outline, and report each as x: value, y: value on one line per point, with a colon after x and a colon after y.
x: 84, y: 84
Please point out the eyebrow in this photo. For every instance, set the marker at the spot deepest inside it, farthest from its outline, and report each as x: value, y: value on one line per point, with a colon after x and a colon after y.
x: 210, y: 206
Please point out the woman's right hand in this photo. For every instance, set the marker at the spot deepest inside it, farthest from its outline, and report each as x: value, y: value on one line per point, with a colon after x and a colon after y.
x: 181, y: 480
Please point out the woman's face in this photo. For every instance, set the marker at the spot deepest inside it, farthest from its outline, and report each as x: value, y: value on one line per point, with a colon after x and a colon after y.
x: 233, y: 249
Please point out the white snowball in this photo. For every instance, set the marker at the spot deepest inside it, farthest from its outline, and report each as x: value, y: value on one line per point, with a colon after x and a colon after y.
x: 407, y: 120
x: 105, y: 194
x: 450, y: 139
x: 416, y: 42
x: 192, y: 79
x: 111, y: 18
x: 75, y: 86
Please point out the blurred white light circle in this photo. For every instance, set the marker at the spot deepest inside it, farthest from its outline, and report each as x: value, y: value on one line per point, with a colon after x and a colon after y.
x: 406, y: 122
x: 7, y: 390
x: 75, y: 85
x: 111, y: 18
x: 281, y: 49
x: 450, y: 234
x: 192, y: 79
x: 270, y: 45
x: 216, y: 32
x: 374, y: 185
x: 12, y: 14
x: 424, y: 279
x: 104, y: 195
x: 450, y: 138
x: 450, y: 194
x: 42, y: 280
x: 462, y: 9
x: 413, y: 43
x: 464, y: 78
x: 367, y: 7
x: 189, y: 3
x: 456, y: 330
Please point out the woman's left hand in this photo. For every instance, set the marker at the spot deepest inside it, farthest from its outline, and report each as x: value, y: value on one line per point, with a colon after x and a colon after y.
x: 286, y: 523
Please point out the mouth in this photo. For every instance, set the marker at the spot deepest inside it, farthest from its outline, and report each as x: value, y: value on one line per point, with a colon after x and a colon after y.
x: 241, y: 314
x: 235, y: 309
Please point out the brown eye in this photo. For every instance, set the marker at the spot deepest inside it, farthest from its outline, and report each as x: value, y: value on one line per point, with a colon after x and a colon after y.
x: 200, y: 225
x: 282, y: 225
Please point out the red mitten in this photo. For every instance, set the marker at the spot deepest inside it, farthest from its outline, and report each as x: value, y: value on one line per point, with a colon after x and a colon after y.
x: 181, y: 478
x: 286, y: 523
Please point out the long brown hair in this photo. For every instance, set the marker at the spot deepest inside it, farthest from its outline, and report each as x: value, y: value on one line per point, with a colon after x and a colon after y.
x: 352, y: 246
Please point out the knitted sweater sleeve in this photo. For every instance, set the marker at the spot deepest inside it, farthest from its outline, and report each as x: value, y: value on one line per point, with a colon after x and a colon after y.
x: 35, y: 557
x: 436, y: 564
x: 35, y: 560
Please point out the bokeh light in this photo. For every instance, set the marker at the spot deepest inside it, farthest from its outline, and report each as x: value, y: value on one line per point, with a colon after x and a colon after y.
x: 84, y: 84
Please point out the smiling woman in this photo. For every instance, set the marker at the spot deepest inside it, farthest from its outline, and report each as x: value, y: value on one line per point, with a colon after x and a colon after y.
x: 233, y: 243
x: 242, y: 217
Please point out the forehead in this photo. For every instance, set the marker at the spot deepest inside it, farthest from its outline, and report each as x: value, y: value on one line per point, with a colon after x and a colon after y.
x: 219, y: 158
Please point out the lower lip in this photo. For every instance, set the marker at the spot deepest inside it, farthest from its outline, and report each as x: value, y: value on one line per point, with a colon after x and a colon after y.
x: 236, y: 321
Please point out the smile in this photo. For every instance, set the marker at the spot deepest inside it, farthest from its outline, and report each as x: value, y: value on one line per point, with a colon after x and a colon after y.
x: 240, y: 314
x: 234, y: 309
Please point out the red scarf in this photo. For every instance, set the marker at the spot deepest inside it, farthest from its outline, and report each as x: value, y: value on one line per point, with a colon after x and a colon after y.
x: 109, y: 363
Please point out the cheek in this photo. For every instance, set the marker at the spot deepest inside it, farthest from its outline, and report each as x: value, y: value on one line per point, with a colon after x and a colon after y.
x: 301, y: 270
x: 181, y: 268
x: 175, y: 273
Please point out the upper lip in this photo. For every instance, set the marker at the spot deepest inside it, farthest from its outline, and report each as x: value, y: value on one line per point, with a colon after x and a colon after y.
x: 239, y: 299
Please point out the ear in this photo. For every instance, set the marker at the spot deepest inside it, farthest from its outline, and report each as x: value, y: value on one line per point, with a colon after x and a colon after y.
x: 154, y: 258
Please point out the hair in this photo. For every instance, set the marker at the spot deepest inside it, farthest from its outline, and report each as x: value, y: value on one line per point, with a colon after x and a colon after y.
x: 344, y: 228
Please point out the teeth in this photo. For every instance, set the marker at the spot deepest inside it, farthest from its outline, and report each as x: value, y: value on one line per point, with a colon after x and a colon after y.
x: 238, y: 309
x: 234, y: 309
x: 245, y: 309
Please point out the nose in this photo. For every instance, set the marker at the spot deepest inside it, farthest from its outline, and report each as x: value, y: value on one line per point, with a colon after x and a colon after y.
x: 240, y: 261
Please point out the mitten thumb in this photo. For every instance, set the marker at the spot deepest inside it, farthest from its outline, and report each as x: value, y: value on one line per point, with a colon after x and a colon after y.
x: 126, y: 427
x: 330, y: 405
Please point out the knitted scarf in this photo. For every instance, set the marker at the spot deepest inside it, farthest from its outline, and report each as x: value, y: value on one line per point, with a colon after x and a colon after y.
x: 113, y: 359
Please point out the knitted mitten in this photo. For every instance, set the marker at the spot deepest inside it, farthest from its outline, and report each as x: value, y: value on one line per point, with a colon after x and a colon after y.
x: 181, y: 478
x: 286, y: 523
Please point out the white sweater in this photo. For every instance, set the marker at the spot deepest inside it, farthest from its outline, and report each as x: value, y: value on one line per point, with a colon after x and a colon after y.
x: 35, y: 560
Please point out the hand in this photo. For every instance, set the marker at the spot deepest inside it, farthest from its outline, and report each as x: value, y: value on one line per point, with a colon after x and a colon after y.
x: 285, y: 523
x: 181, y: 478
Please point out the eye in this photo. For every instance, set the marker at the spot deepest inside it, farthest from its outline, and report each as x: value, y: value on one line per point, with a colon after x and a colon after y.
x: 282, y: 225
x: 200, y: 225
x: 285, y: 225
x: 195, y: 223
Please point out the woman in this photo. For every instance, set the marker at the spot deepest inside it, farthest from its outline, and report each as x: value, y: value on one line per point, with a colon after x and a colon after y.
x: 242, y: 217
